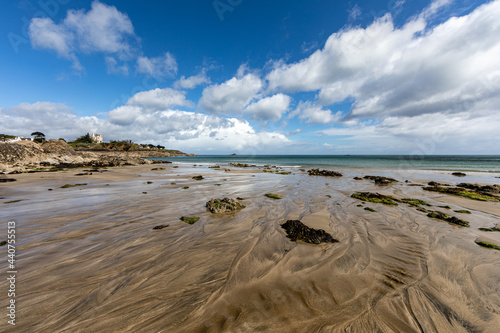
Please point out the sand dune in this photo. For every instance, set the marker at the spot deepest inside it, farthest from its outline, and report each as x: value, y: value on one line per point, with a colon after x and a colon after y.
x: 90, y: 261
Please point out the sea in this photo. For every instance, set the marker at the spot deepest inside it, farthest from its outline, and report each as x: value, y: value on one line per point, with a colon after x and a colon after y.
x: 462, y: 163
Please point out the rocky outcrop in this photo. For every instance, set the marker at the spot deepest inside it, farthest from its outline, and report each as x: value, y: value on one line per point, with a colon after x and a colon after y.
x: 297, y: 230
x: 328, y: 173
x: 53, y: 154
x: 380, y: 180
x: 217, y: 206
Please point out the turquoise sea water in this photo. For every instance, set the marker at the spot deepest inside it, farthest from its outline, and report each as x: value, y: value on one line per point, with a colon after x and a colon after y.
x: 479, y: 163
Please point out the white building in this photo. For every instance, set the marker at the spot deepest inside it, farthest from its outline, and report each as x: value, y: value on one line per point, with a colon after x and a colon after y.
x: 97, y: 138
x: 19, y: 138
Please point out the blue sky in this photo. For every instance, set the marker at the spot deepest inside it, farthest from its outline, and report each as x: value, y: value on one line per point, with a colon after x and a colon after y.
x: 256, y: 77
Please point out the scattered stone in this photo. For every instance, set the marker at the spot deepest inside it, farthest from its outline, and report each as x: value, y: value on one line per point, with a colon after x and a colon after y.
x: 272, y: 196
x: 487, y: 244
x: 49, y: 189
x: 161, y: 226
x: 375, y: 197
x: 296, y: 230
x: 217, y: 184
x: 446, y: 207
x: 328, y: 196
x: 172, y: 183
x: 423, y: 210
x: 358, y: 178
x: 459, y: 174
x: 144, y: 192
x: 190, y: 219
x: 242, y: 165
x: 83, y: 174
x: 433, y: 183
x: 328, y: 173
x: 75, y: 185
x: 462, y: 211
x: 185, y: 187
x: 214, y: 167
x: 380, y: 180
x: 450, y: 219
x: 157, y: 169
x: 370, y: 209
x: 238, y: 198
x: 2, y: 243
x: 359, y: 205
x: 495, y: 228
x: 149, y: 182
x: 216, y: 206
x: 5, y: 180
x: 175, y: 166
x: 200, y: 177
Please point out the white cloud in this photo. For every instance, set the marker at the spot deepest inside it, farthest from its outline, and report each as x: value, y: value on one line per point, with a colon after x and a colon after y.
x: 405, y: 71
x: 113, y: 67
x: 102, y: 29
x: 313, y: 113
x: 231, y: 96
x: 269, y: 108
x: 160, y: 99
x: 188, y: 131
x: 158, y: 67
x: 192, y: 81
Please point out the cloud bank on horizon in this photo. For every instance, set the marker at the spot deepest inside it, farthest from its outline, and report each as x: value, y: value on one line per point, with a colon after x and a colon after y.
x: 425, y: 86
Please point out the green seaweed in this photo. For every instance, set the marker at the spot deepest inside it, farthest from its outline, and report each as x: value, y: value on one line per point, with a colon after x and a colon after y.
x: 495, y: 228
x: 185, y: 187
x: 449, y: 219
x: 488, y: 245
x: 190, y: 219
x: 415, y: 202
x: 272, y: 196
x: 12, y: 201
x: 461, y: 193
x: 370, y: 209
x: 375, y: 197
x: 75, y: 185
x: 462, y: 211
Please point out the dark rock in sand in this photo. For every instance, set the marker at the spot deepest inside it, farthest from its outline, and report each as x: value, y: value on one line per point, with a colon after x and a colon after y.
x: 328, y: 173
x: 200, y: 177
x: 358, y: 178
x: 5, y: 180
x: 159, y: 227
x: 459, y: 174
x: 451, y: 219
x: 296, y: 230
x: 380, y: 180
x: 216, y: 206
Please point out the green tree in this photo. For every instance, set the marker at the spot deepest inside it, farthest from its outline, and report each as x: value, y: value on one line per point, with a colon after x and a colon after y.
x: 84, y: 139
x: 39, y: 136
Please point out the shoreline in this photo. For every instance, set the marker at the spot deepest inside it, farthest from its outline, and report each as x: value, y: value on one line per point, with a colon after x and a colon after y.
x: 90, y: 251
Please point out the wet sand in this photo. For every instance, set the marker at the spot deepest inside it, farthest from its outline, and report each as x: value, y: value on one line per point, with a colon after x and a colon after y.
x: 88, y: 259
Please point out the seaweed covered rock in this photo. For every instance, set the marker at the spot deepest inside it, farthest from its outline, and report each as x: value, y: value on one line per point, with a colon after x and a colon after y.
x: 216, y: 206
x: 380, y: 180
x: 200, y: 177
x: 470, y: 191
x: 451, y: 219
x: 296, y: 230
x: 459, y: 174
x: 375, y: 197
x: 328, y: 173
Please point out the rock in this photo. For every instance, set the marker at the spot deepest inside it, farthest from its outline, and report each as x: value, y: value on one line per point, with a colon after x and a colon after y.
x: 437, y: 184
x: 296, y: 230
x: 380, y: 180
x: 242, y: 165
x: 217, y: 206
x: 5, y: 180
x: 161, y: 226
x: 200, y: 177
x: 190, y: 219
x: 451, y: 219
x: 375, y: 197
x: 459, y: 174
x: 328, y: 173
x: 358, y: 178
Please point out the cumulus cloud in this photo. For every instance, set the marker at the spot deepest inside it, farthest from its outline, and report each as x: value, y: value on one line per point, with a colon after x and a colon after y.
x: 313, y: 113
x: 102, y: 29
x: 191, y: 81
x: 113, y: 67
x: 158, y: 67
x: 231, y: 96
x: 269, y: 108
x: 406, y: 71
x: 160, y: 99
x: 189, y: 131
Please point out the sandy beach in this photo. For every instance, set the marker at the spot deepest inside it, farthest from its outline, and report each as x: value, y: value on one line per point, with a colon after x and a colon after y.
x: 88, y: 259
